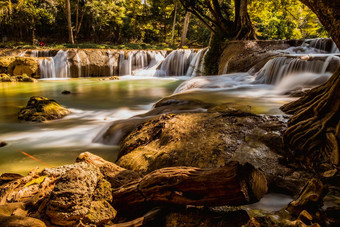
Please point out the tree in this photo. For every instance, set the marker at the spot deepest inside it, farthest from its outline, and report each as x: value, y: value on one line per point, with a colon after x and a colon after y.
x: 221, y: 20
x: 69, y: 22
x: 185, y: 28
x: 313, y: 132
x: 174, y: 23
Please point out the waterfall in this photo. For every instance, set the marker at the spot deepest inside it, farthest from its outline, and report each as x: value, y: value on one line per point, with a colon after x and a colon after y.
x: 278, y: 68
x: 324, y: 44
x: 196, y: 67
x: 42, y: 53
x: 78, y: 64
x: 55, y: 67
x: 177, y: 63
x: 139, y: 62
x: 111, y: 62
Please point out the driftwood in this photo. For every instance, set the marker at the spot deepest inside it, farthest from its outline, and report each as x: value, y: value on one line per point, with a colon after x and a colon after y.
x: 310, y: 198
x: 233, y: 184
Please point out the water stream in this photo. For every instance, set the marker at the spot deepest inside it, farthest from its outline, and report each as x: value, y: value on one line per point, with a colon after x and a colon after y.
x: 95, y: 104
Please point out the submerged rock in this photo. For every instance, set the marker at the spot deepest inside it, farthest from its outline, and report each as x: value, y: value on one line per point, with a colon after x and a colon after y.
x: 3, y: 144
x: 65, y: 92
x: 42, y: 109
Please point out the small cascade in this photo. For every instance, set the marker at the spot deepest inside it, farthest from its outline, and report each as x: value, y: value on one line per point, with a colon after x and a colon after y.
x: 42, y: 53
x: 324, y: 44
x: 196, y: 67
x: 278, y: 68
x: 78, y: 64
x: 177, y: 63
x: 55, y: 67
x: 111, y: 61
x: 125, y: 63
x: 139, y: 62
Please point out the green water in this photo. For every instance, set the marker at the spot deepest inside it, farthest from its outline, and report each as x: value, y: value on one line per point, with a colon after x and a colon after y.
x: 94, y: 104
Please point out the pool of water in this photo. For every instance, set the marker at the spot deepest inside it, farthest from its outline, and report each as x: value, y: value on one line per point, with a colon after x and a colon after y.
x: 94, y: 104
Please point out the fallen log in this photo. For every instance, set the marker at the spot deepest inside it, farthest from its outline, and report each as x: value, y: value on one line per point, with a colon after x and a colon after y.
x: 233, y: 184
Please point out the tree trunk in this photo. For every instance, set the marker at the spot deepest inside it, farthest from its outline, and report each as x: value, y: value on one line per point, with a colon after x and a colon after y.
x: 174, y: 23
x: 233, y: 184
x: 313, y: 132
x: 33, y: 32
x: 243, y: 27
x: 185, y: 28
x: 69, y: 23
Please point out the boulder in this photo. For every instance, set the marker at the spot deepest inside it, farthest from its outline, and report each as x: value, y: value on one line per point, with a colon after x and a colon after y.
x: 81, y: 193
x: 15, y: 221
x: 209, y: 140
x: 19, y: 66
x: 241, y: 56
x: 42, y: 109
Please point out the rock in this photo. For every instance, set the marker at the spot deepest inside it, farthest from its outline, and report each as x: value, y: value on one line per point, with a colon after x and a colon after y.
x: 42, y: 109
x: 5, y: 78
x: 7, y: 177
x: 20, y: 65
x: 21, y: 78
x: 65, y: 92
x: 116, y: 175
x: 3, y: 144
x: 241, y: 56
x: 13, y: 209
x: 100, y: 213
x: 93, y: 62
x: 114, y: 78
x: 209, y: 140
x: 80, y: 194
x: 16, y: 221
x: 193, y: 217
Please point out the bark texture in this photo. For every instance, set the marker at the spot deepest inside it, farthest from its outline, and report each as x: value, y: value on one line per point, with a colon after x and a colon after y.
x: 313, y: 132
x: 69, y: 23
x: 233, y: 184
x: 243, y: 26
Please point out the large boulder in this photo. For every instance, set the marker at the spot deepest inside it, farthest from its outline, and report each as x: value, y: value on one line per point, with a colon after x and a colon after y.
x: 81, y: 193
x: 20, y: 65
x: 241, y: 56
x: 42, y: 109
x: 209, y: 140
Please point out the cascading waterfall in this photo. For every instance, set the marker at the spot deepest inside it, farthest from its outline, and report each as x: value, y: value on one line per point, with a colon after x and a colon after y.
x: 196, y: 67
x: 55, y: 67
x: 324, y: 44
x: 78, y: 64
x: 177, y: 63
x: 278, y: 68
x: 134, y: 62
x: 111, y: 61
x: 42, y: 53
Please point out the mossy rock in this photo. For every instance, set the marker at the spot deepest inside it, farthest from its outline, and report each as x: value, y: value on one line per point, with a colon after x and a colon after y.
x: 19, y: 66
x: 42, y: 109
x: 5, y: 78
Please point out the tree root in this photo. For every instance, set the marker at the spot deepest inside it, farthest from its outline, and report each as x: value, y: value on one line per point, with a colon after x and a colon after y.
x: 313, y: 129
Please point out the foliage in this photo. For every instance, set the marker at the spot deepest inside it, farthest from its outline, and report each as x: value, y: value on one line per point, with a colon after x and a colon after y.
x: 149, y: 21
x: 284, y: 19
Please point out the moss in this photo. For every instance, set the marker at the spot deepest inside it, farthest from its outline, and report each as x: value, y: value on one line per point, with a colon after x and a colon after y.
x: 103, y: 191
x: 19, y: 66
x: 41, y: 109
x: 5, y: 78
x: 100, y: 212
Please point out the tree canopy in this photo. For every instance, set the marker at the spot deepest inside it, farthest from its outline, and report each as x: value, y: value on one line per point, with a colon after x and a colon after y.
x: 152, y: 21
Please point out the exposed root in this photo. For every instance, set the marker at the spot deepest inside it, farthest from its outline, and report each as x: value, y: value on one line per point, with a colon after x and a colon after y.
x: 313, y: 130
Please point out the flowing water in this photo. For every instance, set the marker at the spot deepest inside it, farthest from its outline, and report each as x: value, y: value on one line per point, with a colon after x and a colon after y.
x: 95, y: 104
